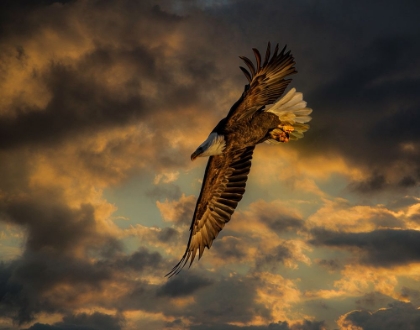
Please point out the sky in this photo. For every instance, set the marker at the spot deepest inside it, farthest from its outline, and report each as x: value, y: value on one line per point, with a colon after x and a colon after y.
x: 101, y: 105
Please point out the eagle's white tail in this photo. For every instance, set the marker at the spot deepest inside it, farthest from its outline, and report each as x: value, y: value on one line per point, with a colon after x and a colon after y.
x: 291, y: 110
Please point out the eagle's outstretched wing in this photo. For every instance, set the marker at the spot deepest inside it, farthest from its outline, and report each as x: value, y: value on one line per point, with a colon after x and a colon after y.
x: 222, y: 189
x: 266, y: 82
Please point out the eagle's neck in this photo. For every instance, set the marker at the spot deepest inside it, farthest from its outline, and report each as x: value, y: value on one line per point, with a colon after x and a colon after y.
x: 214, y: 145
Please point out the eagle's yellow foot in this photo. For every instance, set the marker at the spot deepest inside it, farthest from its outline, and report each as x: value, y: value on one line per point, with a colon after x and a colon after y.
x: 279, y: 135
x: 286, y: 128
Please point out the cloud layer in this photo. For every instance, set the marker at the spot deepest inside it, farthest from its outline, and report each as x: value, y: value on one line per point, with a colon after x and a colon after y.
x: 102, y: 102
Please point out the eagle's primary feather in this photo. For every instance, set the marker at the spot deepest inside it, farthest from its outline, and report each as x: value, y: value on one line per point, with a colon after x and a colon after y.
x: 231, y: 144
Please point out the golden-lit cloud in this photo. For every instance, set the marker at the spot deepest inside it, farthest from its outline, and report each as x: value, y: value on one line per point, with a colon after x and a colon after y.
x: 177, y: 211
x: 275, y: 286
x: 393, y: 317
x: 340, y: 215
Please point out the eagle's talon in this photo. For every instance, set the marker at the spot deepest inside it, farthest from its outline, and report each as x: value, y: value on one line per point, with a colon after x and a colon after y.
x: 286, y: 128
x: 284, y: 137
x: 279, y: 135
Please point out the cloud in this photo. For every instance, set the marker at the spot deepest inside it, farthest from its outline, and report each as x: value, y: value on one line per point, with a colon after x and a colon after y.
x: 205, y: 299
x: 403, y: 202
x: 40, y: 282
x: 268, y: 218
x: 54, y: 227
x: 264, y: 236
x: 28, y: 282
x: 231, y: 249
x: 83, y: 321
x: 138, y: 261
x: 195, y: 298
x: 183, y: 286
x: 305, y: 325
x: 178, y: 211
x: 275, y: 286
x: 375, y: 183
x: 372, y: 299
x: 397, y: 315
x: 379, y: 248
x: 280, y: 223
x: 78, y: 103
x: 278, y: 255
x: 340, y: 215
x: 287, y: 253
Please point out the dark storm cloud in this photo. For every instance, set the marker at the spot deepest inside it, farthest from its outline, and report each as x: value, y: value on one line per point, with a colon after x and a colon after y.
x: 375, y: 183
x: 12, y: 9
x: 415, y: 217
x: 167, y: 234
x: 397, y: 316
x: 372, y: 300
x: 215, y: 300
x: 183, y: 286
x: 273, y: 258
x: 83, y: 321
x: 10, y: 292
x: 52, y: 225
x: 402, y: 202
x: 229, y: 299
x: 377, y: 106
x: 407, y: 182
x: 14, y: 171
x: 25, y: 281
x: 230, y: 248
x: 21, y: 3
x: 282, y: 223
x: 79, y: 103
x: 59, y: 239
x: 81, y: 99
x: 379, y: 248
x: 138, y: 261
x: 410, y: 294
x: 306, y: 325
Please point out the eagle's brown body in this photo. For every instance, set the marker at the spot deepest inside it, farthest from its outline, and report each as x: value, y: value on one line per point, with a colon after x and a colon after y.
x: 258, y: 127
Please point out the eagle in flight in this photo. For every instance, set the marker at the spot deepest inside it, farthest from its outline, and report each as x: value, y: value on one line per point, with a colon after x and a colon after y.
x: 260, y: 115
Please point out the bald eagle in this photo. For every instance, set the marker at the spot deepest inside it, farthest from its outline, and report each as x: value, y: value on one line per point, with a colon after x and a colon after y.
x: 230, y: 145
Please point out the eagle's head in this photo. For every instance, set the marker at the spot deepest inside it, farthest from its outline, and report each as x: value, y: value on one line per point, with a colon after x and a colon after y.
x: 214, y: 145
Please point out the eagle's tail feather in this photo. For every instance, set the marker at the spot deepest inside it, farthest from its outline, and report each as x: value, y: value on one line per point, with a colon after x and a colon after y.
x: 292, y: 111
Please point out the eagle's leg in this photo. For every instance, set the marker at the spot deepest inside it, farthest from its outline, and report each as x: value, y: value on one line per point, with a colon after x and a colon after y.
x: 281, y: 134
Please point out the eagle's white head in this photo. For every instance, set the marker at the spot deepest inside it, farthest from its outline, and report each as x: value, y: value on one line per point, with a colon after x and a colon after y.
x: 214, y: 145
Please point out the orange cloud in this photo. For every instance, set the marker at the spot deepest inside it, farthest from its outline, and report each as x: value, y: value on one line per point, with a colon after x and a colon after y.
x: 340, y: 215
x: 178, y: 210
x: 279, y: 295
